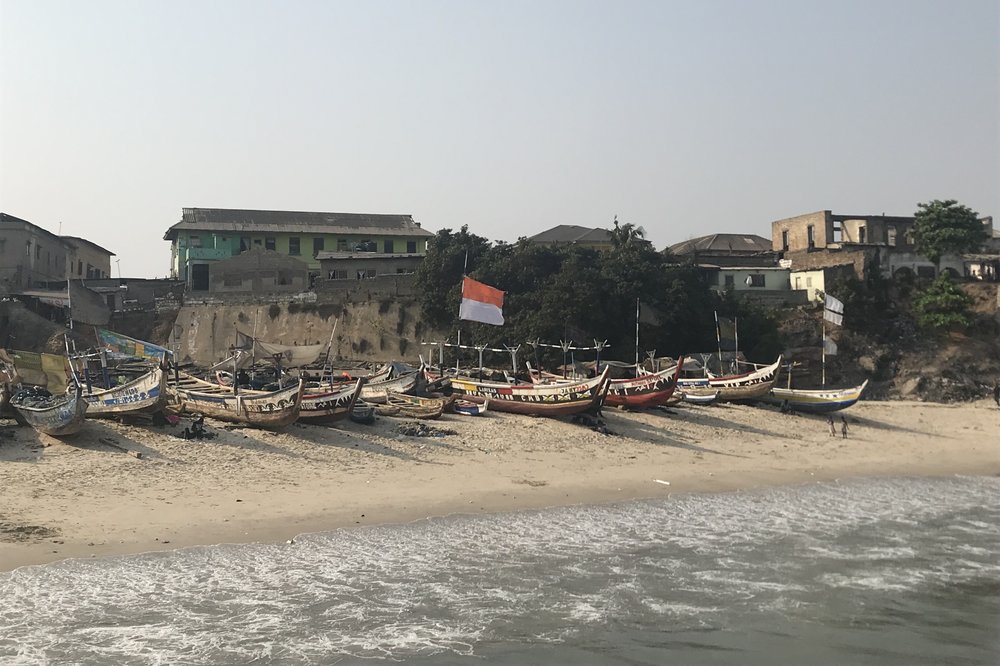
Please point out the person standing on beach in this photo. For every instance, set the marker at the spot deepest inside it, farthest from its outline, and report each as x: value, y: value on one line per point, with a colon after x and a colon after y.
x: 843, y: 426
x: 996, y: 394
x: 833, y: 426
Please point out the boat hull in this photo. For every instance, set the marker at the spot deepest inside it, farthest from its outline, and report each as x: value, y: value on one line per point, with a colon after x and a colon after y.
x: 374, y: 392
x: 645, y: 391
x: 65, y: 417
x: 329, y: 406
x: 817, y: 401
x: 535, y: 400
x: 736, y: 388
x: 145, y: 394
x: 259, y: 409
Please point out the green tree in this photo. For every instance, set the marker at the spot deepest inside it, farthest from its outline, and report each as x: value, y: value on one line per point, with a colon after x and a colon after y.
x: 946, y: 227
x: 439, y: 277
x: 943, y: 305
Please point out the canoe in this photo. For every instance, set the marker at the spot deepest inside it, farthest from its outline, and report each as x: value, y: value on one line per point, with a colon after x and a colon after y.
x: 374, y: 392
x: 362, y: 412
x: 413, y: 407
x: 698, y: 396
x: 817, y: 401
x: 145, y: 394
x: 259, y: 409
x: 470, y: 408
x: 649, y: 390
x: 328, y: 406
x: 56, y: 415
x: 535, y: 399
x: 746, y: 386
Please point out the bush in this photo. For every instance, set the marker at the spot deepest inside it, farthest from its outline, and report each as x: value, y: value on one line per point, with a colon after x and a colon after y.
x: 943, y: 305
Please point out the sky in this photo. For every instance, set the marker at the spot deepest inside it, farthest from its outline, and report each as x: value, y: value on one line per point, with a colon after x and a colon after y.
x: 685, y: 118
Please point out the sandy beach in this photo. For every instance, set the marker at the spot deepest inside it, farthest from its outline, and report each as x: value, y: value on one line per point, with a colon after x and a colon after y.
x: 86, y: 496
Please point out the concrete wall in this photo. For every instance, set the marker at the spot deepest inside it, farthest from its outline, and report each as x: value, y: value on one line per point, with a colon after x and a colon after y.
x: 259, y: 272
x: 811, y: 282
x: 371, y: 265
x: 774, y: 279
x: 796, y: 229
x: 86, y: 261
x: 29, y: 255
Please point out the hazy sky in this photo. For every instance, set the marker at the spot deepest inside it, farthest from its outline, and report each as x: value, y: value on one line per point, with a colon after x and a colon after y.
x: 687, y: 118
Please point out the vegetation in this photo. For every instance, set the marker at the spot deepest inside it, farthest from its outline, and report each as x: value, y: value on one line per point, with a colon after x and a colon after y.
x: 946, y: 227
x: 580, y: 294
x: 943, y: 305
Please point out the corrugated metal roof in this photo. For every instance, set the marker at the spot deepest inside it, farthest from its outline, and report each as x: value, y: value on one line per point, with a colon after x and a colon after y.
x: 571, y: 233
x: 723, y: 244
x: 240, y: 220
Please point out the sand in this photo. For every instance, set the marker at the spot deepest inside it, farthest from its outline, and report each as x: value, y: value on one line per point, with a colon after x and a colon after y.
x: 86, y: 497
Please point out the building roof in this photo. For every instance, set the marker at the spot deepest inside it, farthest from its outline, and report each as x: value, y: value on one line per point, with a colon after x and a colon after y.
x: 571, y: 233
x: 4, y: 217
x: 75, y: 240
x: 723, y: 244
x: 237, y: 220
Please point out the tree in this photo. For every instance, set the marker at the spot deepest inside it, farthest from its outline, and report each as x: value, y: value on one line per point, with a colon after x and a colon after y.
x: 946, y: 227
x: 942, y: 305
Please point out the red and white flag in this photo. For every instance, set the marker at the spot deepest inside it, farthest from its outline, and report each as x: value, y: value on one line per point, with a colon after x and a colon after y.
x: 481, y: 302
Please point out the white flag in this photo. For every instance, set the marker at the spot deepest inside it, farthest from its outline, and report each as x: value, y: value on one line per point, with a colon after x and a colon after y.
x: 833, y: 310
x: 829, y: 347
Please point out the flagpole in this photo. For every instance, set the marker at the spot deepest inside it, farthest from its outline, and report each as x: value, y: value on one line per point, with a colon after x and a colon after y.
x: 736, y: 335
x: 718, y: 341
x: 823, y: 325
x: 637, y: 335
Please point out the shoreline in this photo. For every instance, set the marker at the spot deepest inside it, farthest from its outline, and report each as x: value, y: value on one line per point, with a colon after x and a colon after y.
x: 82, y: 498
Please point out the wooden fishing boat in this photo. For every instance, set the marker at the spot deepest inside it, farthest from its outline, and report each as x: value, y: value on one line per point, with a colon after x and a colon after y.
x: 747, y: 386
x: 260, y: 409
x: 330, y: 405
x: 699, y: 396
x: 470, y: 408
x: 816, y: 401
x: 362, y: 412
x: 412, y: 406
x: 56, y: 415
x: 536, y: 399
x: 145, y: 394
x: 374, y: 392
x: 644, y: 391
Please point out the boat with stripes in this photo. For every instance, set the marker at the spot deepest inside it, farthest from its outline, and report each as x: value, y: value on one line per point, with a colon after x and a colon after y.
x: 259, y: 409
x: 559, y: 399
x: 746, y: 386
x: 817, y: 401
x: 331, y: 403
x: 648, y: 390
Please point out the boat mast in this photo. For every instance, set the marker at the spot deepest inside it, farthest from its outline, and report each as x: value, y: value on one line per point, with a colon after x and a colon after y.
x: 637, y: 335
x: 823, y: 354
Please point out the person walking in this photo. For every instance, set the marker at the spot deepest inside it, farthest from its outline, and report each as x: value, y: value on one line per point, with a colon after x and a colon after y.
x: 833, y: 426
x: 843, y: 426
x: 996, y: 394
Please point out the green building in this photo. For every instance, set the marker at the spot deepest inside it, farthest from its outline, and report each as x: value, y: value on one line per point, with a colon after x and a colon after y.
x: 205, y: 235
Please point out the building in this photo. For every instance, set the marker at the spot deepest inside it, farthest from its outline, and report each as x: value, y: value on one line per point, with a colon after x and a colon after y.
x: 207, y: 235
x: 571, y: 234
x: 31, y: 255
x: 258, y: 271
x: 362, y: 265
x: 726, y: 250
x: 85, y: 259
x: 882, y: 243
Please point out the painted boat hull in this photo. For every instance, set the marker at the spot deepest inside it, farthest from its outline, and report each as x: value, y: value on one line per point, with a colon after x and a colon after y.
x: 817, y: 401
x: 469, y: 408
x: 535, y: 400
x: 413, y: 407
x: 735, y: 388
x: 145, y: 394
x: 645, y: 391
x: 329, y: 406
x: 65, y: 417
x: 374, y: 392
x: 259, y: 409
x: 699, y: 397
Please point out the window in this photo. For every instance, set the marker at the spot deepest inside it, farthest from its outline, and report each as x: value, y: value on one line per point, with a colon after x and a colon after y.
x: 811, y: 236
x: 293, y: 247
x: 341, y: 245
x: 337, y: 275
x: 838, y: 232
x: 798, y: 282
x: 755, y: 280
x: 244, y: 244
x: 861, y: 234
x: 38, y: 252
x: 784, y: 239
x: 3, y: 244
x: 387, y: 247
x: 317, y: 246
x: 729, y: 282
x: 79, y: 268
x: 890, y: 235
x: 269, y: 243
x: 258, y: 242
x: 809, y: 282
x: 411, y: 247
x: 369, y: 272
x: 194, y: 241
x: 27, y: 248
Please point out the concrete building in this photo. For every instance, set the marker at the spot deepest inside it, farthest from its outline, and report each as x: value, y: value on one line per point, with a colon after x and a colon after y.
x: 360, y: 265
x: 29, y: 255
x: 85, y: 259
x: 258, y: 271
x: 766, y: 284
x: 207, y: 235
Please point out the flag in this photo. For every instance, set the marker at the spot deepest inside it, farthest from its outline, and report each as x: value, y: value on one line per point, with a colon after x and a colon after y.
x: 829, y: 347
x: 126, y: 346
x: 833, y: 310
x: 481, y: 302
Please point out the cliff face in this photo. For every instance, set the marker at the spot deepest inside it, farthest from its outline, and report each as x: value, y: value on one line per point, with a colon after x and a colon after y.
x: 374, y: 330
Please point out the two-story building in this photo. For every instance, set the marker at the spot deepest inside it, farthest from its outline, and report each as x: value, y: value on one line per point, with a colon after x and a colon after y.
x: 207, y: 235
x: 31, y: 255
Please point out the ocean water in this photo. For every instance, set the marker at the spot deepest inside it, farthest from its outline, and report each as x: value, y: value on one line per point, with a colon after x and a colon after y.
x: 902, y: 571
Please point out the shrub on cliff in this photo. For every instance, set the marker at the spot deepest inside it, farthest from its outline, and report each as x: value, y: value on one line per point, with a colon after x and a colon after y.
x: 943, y: 305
